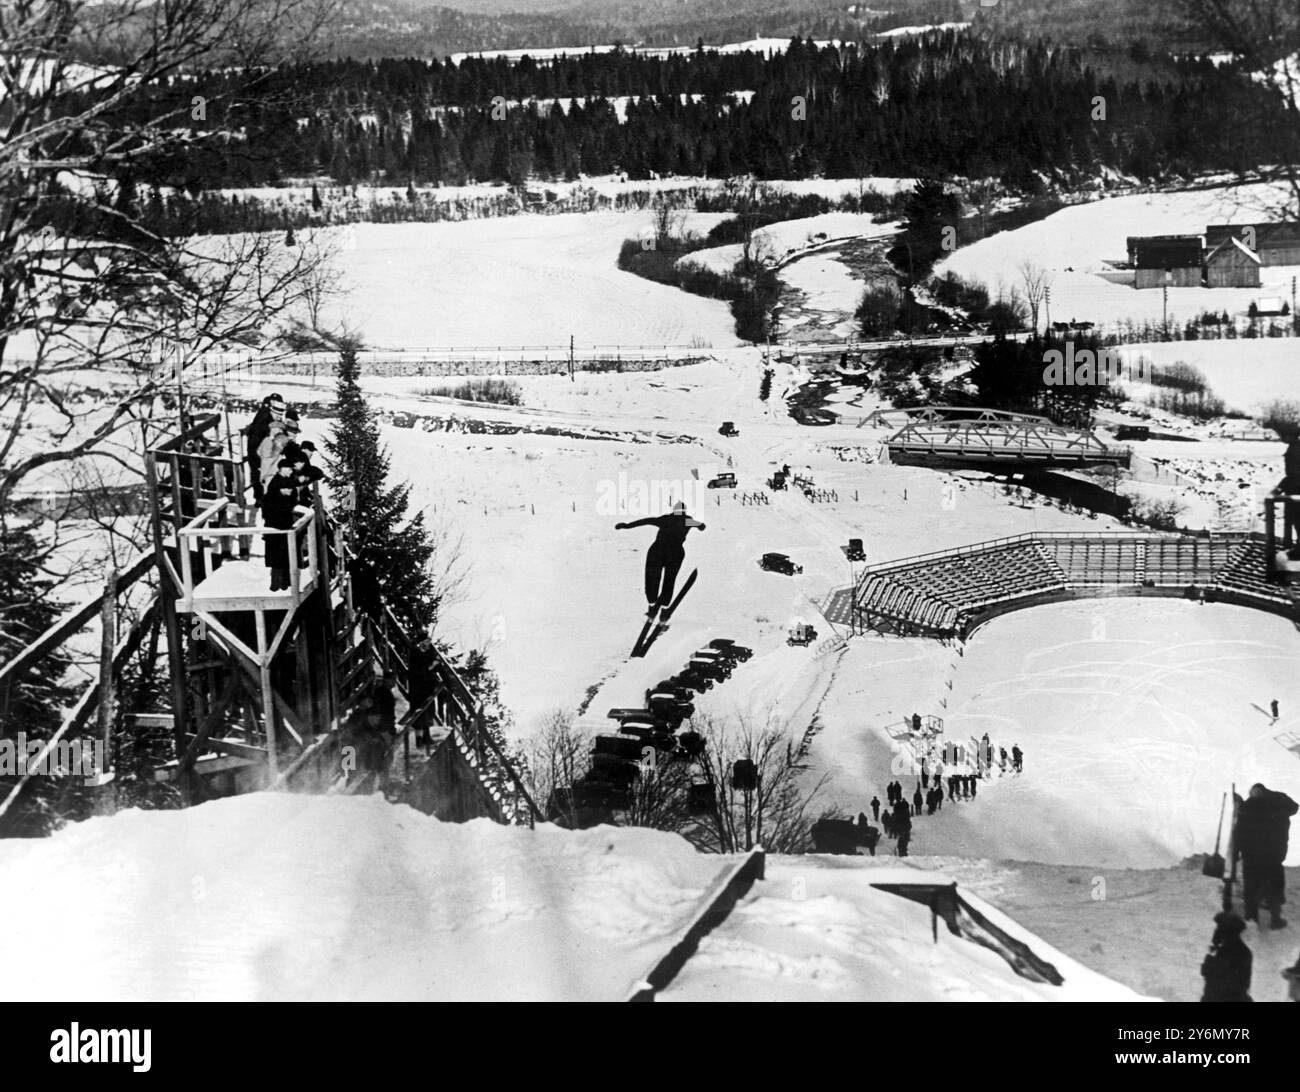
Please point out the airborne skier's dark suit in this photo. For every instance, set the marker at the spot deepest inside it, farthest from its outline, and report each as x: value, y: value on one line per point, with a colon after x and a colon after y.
x: 664, y: 558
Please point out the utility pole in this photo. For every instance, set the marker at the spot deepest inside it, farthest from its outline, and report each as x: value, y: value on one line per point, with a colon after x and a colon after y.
x: 1047, y: 317
x: 1169, y: 276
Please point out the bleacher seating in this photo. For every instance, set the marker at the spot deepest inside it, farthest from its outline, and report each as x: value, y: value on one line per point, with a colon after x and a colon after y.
x: 939, y: 593
x: 1245, y: 572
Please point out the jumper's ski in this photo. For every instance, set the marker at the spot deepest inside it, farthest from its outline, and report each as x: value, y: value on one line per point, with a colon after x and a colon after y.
x: 645, y: 632
x: 665, y: 616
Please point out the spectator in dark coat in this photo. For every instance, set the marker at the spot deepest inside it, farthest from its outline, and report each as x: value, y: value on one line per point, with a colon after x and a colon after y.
x: 917, y: 801
x: 1263, y: 828
x: 974, y: 782
x: 952, y: 786
x: 278, y: 511
x: 1017, y: 758
x: 1226, y: 969
x: 1291, y: 487
x: 870, y: 837
x: 254, y: 434
x: 1003, y: 759
x: 875, y: 808
x: 1292, y: 976
x: 902, y: 826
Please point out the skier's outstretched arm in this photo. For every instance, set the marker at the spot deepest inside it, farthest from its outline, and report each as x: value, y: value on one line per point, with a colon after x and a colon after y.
x: 649, y: 521
x: 691, y: 521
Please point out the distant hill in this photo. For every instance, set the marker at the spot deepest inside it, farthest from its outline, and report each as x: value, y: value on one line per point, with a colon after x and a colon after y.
x: 369, y: 29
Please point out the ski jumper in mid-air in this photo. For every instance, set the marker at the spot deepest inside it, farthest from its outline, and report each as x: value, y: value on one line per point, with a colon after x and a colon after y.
x: 664, y: 558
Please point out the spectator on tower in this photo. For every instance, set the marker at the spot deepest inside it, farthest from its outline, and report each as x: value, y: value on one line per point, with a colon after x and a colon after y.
x: 280, y: 433
x: 1226, y: 969
x: 1263, y: 827
x: 254, y: 434
x: 278, y: 511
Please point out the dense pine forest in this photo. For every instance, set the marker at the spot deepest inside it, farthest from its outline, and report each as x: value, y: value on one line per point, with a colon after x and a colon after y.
x: 1033, y: 115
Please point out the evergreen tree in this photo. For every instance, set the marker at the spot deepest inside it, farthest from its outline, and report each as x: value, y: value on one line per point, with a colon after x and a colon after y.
x: 32, y: 704
x: 390, y: 554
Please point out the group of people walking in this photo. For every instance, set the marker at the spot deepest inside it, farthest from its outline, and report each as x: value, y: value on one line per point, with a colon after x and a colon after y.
x: 283, y: 478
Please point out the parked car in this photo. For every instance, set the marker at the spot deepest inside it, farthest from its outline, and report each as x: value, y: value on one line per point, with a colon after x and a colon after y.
x: 779, y: 563
x: 855, y: 551
x: 728, y: 429
x: 726, y: 644
x: 723, y: 481
x: 801, y: 635
x: 1133, y: 432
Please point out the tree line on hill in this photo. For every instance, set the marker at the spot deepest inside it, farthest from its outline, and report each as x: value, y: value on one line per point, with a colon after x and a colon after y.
x: 947, y: 104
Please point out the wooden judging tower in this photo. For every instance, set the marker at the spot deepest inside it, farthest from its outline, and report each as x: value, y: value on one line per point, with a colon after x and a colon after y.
x: 296, y: 688
x: 254, y: 673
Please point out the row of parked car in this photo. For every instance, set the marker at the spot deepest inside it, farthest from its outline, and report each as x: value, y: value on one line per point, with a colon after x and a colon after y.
x: 651, y: 734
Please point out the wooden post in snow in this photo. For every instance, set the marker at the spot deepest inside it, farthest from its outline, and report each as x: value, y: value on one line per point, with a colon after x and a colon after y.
x: 105, y: 794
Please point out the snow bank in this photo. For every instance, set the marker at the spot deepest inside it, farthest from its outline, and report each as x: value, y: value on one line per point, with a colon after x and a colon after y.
x: 281, y: 897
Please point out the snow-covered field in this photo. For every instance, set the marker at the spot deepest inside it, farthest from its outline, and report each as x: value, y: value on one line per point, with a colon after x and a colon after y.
x: 519, y: 280
x: 1083, y: 247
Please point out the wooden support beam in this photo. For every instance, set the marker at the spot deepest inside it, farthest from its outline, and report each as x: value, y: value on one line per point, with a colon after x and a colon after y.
x: 70, y: 624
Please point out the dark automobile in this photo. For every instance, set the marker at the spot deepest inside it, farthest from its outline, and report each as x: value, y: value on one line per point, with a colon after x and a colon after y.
x: 779, y: 563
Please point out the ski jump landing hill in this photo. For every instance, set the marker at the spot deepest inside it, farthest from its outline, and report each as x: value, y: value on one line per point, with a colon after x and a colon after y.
x: 951, y: 593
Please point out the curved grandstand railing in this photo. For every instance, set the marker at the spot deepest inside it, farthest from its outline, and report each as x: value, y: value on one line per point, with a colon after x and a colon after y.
x: 951, y: 592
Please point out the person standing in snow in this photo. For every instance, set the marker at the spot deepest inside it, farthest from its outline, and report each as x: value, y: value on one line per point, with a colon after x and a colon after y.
x: 875, y: 808
x: 1002, y: 758
x: 1017, y: 758
x: 1292, y: 976
x: 974, y: 784
x: 1262, y: 831
x: 917, y: 800
x: 666, y: 553
x: 1273, y: 708
x: 870, y: 836
x: 1226, y: 969
x: 902, y: 822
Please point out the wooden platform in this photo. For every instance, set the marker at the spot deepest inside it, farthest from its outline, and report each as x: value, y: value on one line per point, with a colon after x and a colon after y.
x: 244, y: 585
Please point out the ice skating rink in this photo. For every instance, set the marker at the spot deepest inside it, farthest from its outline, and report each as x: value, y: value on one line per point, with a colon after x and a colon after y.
x: 1135, y: 716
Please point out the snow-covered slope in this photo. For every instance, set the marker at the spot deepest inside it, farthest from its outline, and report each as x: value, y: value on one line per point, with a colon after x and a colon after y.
x: 281, y: 897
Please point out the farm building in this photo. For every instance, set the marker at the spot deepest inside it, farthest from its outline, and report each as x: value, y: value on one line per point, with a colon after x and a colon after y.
x: 1232, y: 264
x: 1158, y: 260
x: 1276, y: 244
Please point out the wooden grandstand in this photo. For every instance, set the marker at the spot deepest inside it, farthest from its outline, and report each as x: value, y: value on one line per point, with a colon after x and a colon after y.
x: 951, y: 593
